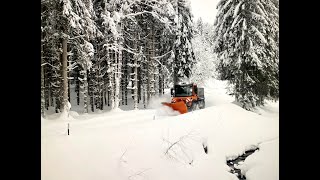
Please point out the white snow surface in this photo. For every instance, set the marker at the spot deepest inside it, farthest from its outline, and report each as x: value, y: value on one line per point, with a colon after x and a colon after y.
x: 264, y: 163
x: 132, y: 144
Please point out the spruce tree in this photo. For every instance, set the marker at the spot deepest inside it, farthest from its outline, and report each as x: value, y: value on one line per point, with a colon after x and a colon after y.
x: 246, y: 44
x: 184, y: 55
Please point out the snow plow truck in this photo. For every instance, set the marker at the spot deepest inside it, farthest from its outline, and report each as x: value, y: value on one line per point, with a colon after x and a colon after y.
x: 186, y: 98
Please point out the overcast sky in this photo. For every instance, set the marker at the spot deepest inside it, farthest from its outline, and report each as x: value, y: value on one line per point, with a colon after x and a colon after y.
x: 206, y: 9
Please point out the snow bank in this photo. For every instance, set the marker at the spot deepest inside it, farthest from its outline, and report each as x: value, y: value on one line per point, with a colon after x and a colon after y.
x: 263, y: 164
x: 145, y: 144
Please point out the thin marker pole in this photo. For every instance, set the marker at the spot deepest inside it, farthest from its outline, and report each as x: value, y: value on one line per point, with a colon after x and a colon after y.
x: 68, y: 129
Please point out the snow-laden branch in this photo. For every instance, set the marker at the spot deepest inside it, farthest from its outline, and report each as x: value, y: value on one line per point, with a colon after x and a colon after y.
x: 138, y: 13
x: 159, y: 57
x: 132, y: 49
x: 145, y: 36
x: 76, y: 37
x: 163, y: 66
x: 129, y: 51
x: 54, y: 85
x: 132, y: 88
x: 259, y: 34
x: 72, y: 66
x: 133, y: 65
x: 55, y: 67
x: 117, y: 48
x: 154, y: 14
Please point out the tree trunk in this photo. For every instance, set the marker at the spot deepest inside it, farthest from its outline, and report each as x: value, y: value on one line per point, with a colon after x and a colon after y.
x: 111, y: 83
x: 77, y: 89
x: 59, y: 100
x: 155, y: 69
x: 117, y: 91
x: 161, y: 70
x: 84, y: 88
x: 118, y: 67
x: 52, y: 79
x: 160, y: 80
x: 135, y: 86
x: 149, y: 74
x: 92, y: 101
x: 125, y: 81
x: 64, y: 76
x: 99, y: 81
x: 105, y: 89
x: 139, y: 80
x: 145, y: 87
x: 51, y: 95
x: 122, y: 86
x: 69, y: 95
x: 90, y: 90
x: 163, y: 84
x: 42, y: 85
x: 123, y: 74
x: 144, y: 96
x: 108, y: 92
x: 47, y: 88
x: 47, y: 77
x: 117, y: 80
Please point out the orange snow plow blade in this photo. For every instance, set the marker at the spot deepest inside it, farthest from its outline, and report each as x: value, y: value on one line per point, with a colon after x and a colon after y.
x: 178, y: 106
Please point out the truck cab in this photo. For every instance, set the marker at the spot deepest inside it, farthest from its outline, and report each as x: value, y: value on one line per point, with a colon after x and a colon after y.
x: 192, y: 96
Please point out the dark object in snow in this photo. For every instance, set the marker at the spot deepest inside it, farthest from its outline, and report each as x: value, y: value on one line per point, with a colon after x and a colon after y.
x: 68, y: 129
x: 205, y: 148
x: 235, y: 162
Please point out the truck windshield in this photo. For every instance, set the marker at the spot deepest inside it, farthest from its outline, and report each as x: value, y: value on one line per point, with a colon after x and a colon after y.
x: 181, y: 91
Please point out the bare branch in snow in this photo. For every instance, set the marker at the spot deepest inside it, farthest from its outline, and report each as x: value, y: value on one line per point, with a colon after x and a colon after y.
x: 139, y: 173
x: 121, y: 158
x: 179, y: 146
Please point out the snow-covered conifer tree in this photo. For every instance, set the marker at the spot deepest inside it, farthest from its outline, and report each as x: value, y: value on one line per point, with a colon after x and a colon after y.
x: 246, y: 43
x: 184, y: 55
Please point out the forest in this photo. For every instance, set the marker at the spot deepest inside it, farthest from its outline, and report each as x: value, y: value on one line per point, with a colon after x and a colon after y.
x: 107, y: 66
x: 112, y: 51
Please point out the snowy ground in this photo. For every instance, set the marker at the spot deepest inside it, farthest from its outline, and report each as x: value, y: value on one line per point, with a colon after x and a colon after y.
x: 122, y: 145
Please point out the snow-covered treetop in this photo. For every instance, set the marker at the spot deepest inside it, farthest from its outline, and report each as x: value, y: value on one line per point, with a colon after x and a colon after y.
x: 79, y: 14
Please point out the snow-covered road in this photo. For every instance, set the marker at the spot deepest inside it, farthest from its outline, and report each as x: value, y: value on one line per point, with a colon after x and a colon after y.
x: 133, y: 144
